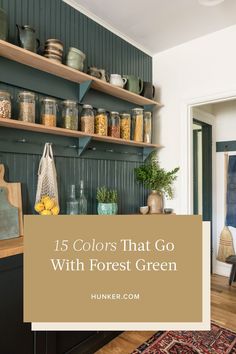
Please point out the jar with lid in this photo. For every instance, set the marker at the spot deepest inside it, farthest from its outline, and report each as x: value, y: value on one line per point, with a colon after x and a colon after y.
x: 101, y: 122
x: 49, y: 112
x: 87, y: 119
x: 125, y: 124
x: 26, y: 106
x: 5, y: 104
x: 69, y: 115
x: 147, y: 127
x: 114, y: 125
x: 137, y: 124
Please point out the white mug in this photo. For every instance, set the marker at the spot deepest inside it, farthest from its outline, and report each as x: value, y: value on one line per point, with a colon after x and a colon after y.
x: 117, y: 80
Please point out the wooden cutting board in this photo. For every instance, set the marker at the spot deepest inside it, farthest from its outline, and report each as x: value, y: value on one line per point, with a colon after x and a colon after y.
x: 14, y: 196
x: 9, y: 217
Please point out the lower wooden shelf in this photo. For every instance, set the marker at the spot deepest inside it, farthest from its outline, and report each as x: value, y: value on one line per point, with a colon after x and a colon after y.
x: 33, y: 127
x: 11, y: 247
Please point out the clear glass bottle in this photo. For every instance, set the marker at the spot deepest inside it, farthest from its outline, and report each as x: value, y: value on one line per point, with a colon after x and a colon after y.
x: 87, y: 119
x: 5, y: 104
x: 26, y: 106
x: 72, y: 204
x: 101, y: 122
x: 125, y: 125
x: 49, y: 112
x: 82, y: 200
x: 147, y: 127
x: 69, y: 115
x: 137, y: 124
x: 114, y: 125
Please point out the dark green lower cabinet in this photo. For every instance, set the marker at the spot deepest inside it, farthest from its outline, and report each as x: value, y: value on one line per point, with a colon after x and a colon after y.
x: 16, y: 337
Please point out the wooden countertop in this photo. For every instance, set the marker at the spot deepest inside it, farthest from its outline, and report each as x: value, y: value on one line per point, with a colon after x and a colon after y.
x: 11, y: 247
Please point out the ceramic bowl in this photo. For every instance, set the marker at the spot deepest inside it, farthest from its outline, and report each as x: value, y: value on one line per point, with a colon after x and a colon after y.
x: 144, y: 209
x: 168, y: 211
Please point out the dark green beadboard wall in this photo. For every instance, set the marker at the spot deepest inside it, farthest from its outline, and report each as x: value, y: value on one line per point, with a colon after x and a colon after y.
x: 55, y: 19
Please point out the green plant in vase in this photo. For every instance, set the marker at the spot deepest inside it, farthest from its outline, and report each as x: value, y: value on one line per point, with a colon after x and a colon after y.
x: 107, y: 201
x: 158, y: 180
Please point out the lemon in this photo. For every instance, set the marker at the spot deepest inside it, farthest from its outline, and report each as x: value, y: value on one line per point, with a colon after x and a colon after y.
x: 39, y: 207
x: 49, y: 204
x: 44, y: 198
x: 55, y: 210
x: 45, y: 212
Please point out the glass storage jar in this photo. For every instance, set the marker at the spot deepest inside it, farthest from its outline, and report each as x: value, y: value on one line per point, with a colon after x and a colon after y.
x: 26, y: 106
x: 137, y: 124
x: 101, y: 122
x: 49, y: 112
x: 114, y: 125
x: 87, y: 119
x: 5, y: 104
x: 147, y: 127
x: 125, y: 123
x: 69, y: 115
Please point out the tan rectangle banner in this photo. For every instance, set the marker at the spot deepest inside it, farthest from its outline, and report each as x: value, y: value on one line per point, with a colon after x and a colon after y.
x: 125, y: 268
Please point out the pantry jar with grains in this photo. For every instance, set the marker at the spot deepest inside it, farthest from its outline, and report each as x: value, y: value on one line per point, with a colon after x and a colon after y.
x: 26, y: 106
x: 87, y: 119
x: 147, y: 127
x: 114, y: 125
x: 125, y: 124
x: 137, y: 124
x: 101, y: 122
x: 49, y: 112
x: 70, y: 115
x: 5, y: 104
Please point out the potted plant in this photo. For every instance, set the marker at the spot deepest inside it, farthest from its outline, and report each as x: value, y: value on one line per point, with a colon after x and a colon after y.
x: 107, y: 201
x: 158, y: 180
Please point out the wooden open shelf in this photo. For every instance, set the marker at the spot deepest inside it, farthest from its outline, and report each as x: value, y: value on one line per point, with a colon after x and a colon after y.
x: 39, y: 62
x: 11, y: 247
x: 16, y: 124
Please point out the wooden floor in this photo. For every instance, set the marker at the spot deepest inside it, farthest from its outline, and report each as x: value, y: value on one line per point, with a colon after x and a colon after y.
x: 223, y: 312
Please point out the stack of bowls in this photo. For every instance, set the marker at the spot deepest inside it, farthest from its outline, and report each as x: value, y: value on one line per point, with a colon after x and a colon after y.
x: 54, y: 50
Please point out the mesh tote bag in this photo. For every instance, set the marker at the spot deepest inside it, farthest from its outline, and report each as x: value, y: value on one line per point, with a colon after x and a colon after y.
x: 47, y: 193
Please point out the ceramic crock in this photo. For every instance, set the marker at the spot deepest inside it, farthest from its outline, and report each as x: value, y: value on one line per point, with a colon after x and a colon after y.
x: 75, y: 59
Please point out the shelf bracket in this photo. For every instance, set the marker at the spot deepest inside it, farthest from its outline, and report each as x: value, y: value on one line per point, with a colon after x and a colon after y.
x: 83, y: 88
x: 149, y: 107
x: 83, y: 143
x: 147, y: 151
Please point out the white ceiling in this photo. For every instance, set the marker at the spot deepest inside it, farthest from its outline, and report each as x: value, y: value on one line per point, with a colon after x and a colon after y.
x: 156, y: 25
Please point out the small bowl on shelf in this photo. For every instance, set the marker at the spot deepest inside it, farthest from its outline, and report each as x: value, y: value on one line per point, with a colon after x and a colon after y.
x: 168, y: 211
x: 144, y: 210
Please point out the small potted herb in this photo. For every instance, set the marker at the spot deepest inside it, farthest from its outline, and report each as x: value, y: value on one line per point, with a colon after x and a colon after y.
x: 107, y: 201
x: 158, y: 180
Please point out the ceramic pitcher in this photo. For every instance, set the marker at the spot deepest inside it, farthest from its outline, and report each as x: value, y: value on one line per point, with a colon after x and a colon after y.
x: 134, y: 84
x: 27, y: 38
x: 117, y: 80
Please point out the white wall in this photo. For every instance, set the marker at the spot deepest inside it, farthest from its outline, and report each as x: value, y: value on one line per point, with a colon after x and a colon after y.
x: 196, y: 71
x: 225, y: 130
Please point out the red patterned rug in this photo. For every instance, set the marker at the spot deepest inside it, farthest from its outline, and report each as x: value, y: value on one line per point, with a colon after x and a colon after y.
x: 217, y: 341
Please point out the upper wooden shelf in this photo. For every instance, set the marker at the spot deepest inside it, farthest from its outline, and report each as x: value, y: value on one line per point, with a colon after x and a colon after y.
x: 12, y: 123
x: 39, y: 62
